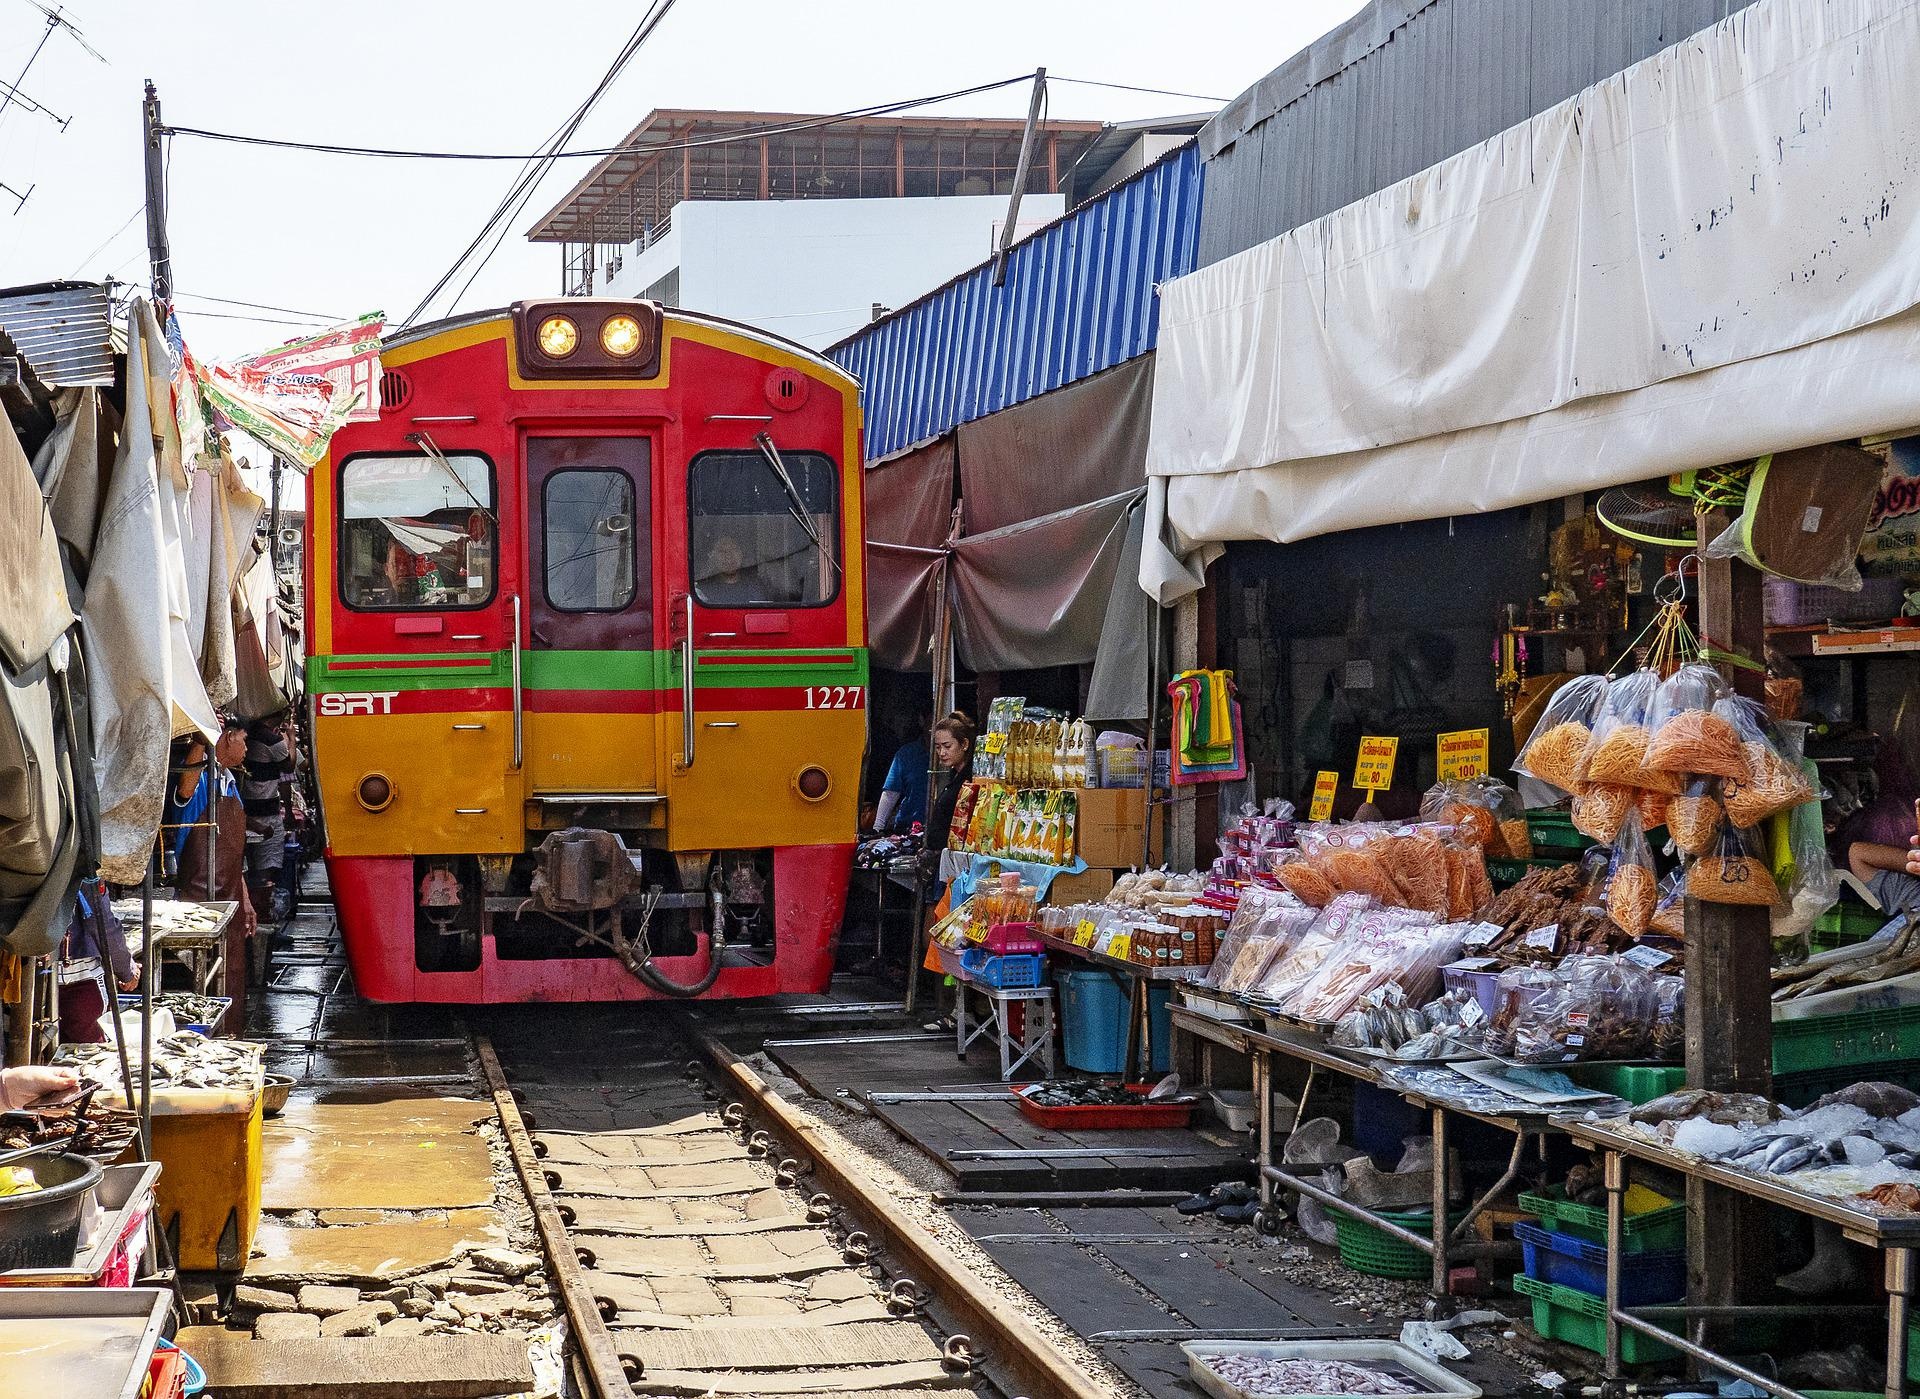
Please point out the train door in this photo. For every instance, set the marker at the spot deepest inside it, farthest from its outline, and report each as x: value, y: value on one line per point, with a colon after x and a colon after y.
x: 592, y: 669
x: 773, y: 691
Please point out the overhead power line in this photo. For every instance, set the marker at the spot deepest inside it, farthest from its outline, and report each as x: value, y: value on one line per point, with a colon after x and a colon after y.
x: 1150, y: 91
x: 258, y: 305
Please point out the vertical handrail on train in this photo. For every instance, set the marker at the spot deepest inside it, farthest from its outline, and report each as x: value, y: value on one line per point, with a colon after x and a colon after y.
x: 518, y: 707
x: 686, y: 690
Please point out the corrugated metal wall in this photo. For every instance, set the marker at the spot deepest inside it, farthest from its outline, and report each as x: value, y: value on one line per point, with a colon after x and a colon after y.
x: 1403, y: 85
x: 1078, y: 298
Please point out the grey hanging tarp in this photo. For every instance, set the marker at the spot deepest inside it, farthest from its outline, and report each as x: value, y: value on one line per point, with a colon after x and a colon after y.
x: 1118, y: 686
x: 1082, y: 443
x: 909, y: 511
x: 33, y: 590
x: 1034, y: 594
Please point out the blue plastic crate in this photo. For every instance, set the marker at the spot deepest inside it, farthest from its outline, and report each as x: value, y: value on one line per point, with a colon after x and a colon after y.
x: 1008, y: 973
x: 1646, y: 1279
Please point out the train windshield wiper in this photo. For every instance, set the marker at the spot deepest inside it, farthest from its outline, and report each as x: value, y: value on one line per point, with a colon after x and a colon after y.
x: 796, y: 505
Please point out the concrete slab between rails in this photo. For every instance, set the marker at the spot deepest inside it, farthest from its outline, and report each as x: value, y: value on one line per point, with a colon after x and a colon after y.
x: 372, y: 1250
x: 390, y: 1151
x: 372, y: 1367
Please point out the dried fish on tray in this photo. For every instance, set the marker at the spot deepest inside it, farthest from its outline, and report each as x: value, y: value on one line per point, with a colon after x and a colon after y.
x: 105, y: 1131
x: 174, y: 918
x: 1236, y: 1369
x: 180, y: 1060
x: 1892, y: 952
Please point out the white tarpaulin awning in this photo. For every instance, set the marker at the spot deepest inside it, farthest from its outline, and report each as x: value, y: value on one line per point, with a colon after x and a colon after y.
x: 1713, y: 254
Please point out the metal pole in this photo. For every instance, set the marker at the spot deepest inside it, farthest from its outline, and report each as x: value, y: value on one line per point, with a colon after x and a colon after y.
x: 146, y: 1013
x: 1020, y: 169
x: 159, y: 256
x: 1153, y: 723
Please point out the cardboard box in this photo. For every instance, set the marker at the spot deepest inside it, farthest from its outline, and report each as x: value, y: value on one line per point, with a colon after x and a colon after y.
x: 1089, y: 886
x: 1110, y: 826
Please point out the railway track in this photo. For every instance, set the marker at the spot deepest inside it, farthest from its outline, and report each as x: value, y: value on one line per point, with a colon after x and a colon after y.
x: 705, y: 1240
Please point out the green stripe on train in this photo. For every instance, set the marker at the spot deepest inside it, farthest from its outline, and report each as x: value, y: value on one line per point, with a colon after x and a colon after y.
x: 585, y: 670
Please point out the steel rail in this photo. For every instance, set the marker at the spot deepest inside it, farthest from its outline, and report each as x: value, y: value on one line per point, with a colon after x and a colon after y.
x: 1017, y: 1356
x: 601, y: 1363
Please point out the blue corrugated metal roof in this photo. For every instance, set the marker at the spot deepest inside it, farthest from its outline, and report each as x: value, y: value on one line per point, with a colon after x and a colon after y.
x: 1078, y: 298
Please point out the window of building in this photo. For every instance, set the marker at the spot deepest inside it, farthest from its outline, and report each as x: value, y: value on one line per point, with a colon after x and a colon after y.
x: 417, y: 532
x: 748, y: 547
x: 588, y: 520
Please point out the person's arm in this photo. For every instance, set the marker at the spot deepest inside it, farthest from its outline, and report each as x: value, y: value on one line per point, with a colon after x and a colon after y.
x: 111, y: 940
x: 21, y: 1086
x: 190, y: 771
x: 883, y: 817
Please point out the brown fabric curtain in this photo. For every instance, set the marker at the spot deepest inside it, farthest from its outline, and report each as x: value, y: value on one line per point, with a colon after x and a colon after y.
x: 909, y: 501
x: 1083, y: 443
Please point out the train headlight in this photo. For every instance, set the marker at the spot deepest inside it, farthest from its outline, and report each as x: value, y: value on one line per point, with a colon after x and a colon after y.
x: 375, y: 791
x: 620, y: 336
x: 813, y: 783
x: 558, y: 336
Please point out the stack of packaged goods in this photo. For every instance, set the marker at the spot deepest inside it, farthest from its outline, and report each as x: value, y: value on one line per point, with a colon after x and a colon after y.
x: 1022, y: 802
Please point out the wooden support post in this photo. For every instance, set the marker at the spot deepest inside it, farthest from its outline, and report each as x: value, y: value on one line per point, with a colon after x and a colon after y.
x: 1729, y: 1006
x: 763, y: 167
x: 899, y: 165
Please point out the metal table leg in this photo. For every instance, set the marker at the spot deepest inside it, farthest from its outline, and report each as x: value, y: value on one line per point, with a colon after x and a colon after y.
x: 1441, y: 1189
x: 960, y: 1036
x: 1263, y: 1108
x: 1900, y: 1287
x: 1135, y: 999
x: 1616, y: 1182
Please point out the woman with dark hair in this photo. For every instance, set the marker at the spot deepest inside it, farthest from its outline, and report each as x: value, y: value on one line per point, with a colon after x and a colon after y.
x: 953, y: 754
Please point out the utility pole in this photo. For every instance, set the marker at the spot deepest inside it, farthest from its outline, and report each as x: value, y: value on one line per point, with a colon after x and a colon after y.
x: 158, y: 254
x: 1020, y: 169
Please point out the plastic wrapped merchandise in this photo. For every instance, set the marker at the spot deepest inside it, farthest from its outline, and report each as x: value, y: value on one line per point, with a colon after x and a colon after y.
x: 1301, y: 878
x: 1597, y: 1008
x: 1633, y: 889
x: 1617, y: 753
x: 1416, y: 861
x: 1271, y: 939
x: 1387, y: 946
x: 1598, y: 812
x: 1734, y: 873
x: 1688, y: 737
x: 1812, y: 885
x: 1555, y: 751
x: 1773, y: 780
x: 1694, y: 817
x: 1329, y: 929
x: 1651, y: 808
x: 1670, y: 911
x: 1514, y: 992
x: 1669, y: 1017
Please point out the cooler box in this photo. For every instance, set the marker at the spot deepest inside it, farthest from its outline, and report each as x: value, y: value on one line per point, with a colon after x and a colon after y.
x: 208, y: 1197
x: 1093, y: 1020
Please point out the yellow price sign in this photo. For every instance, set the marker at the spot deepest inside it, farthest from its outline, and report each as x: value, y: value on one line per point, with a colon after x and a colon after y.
x: 1121, y: 947
x: 1326, y: 786
x: 1462, y: 754
x: 993, y: 743
x: 1373, y: 769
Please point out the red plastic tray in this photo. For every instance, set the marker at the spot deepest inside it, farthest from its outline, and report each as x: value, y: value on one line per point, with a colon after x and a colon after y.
x: 1089, y: 1117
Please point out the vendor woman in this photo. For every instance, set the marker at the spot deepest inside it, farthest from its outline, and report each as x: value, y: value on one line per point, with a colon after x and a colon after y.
x: 94, y: 952
x: 953, y: 754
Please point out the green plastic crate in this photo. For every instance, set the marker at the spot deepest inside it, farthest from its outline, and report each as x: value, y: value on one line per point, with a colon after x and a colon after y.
x: 1797, y: 1090
x: 1552, y: 829
x: 1637, y: 1083
x: 1366, y: 1249
x: 1656, y: 1231
x: 1845, y: 924
x: 1878, y: 1037
x: 1580, y: 1319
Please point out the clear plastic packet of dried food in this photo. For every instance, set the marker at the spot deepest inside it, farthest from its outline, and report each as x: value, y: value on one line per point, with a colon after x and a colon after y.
x: 1687, y: 736
x: 1810, y: 882
x: 1463, y: 806
x: 1694, y: 816
x: 1416, y: 861
x: 1734, y: 872
x: 1599, y: 811
x: 1633, y: 888
x: 1300, y: 877
x: 1669, y: 1016
x: 1670, y: 912
x: 1553, y: 753
x: 1772, y: 779
x: 1617, y: 752
x: 1513, y: 838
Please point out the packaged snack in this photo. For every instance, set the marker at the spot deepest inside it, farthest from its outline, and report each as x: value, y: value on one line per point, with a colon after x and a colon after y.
x: 1773, y: 780
x: 1598, y: 812
x: 1632, y: 888
x: 1617, y: 752
x: 1299, y: 878
x: 1687, y: 736
x: 1417, y: 864
x: 1670, y: 913
x: 1734, y: 873
x: 1693, y: 817
x: 1651, y: 808
x: 1669, y: 1016
x: 1554, y: 753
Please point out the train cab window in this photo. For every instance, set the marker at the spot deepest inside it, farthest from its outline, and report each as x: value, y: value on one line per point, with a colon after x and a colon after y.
x: 416, y: 532
x: 747, y: 548
x: 589, y: 528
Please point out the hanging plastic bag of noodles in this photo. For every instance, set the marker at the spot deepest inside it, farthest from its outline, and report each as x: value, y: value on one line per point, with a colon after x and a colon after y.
x: 1694, y: 816
x: 1670, y: 912
x: 1689, y: 738
x: 1773, y: 780
x: 1598, y: 812
x: 1735, y: 872
x: 1617, y: 752
x: 1554, y: 751
x: 1633, y: 889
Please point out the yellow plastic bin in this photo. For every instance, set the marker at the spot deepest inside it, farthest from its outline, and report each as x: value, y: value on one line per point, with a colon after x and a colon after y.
x: 208, y: 1196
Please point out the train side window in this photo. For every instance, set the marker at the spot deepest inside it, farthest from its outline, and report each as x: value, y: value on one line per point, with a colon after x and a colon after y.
x: 747, y: 549
x: 416, y: 532
x: 589, y: 540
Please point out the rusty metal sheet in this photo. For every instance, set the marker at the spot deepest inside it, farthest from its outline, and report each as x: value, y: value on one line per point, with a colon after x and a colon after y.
x: 65, y: 330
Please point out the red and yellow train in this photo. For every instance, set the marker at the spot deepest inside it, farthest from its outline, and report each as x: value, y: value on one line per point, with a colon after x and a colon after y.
x: 586, y: 616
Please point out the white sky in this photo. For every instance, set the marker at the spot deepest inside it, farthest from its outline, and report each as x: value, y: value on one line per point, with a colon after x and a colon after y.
x: 341, y: 235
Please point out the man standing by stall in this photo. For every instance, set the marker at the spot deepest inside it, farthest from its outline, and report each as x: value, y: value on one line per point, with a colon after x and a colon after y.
x: 207, y: 828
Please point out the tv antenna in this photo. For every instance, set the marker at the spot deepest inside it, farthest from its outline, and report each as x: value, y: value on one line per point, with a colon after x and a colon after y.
x: 11, y: 93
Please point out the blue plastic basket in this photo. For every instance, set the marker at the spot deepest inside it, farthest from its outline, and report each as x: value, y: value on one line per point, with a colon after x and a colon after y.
x: 1006, y: 973
x: 1646, y: 1279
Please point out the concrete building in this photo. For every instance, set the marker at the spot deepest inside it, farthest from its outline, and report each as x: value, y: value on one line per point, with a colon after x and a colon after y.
x: 812, y: 229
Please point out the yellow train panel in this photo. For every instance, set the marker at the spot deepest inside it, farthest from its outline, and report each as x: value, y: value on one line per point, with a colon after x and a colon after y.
x: 740, y: 791
x: 454, y: 790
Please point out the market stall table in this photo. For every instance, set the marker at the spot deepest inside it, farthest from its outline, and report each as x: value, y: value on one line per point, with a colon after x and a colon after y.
x: 1137, y: 1062
x: 1523, y: 1120
x: 1897, y: 1236
x: 182, y: 929
x: 1034, y: 1038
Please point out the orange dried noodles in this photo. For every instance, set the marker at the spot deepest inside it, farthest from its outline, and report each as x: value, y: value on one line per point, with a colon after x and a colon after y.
x: 1555, y: 756
x: 1359, y: 872
x: 1631, y: 895
x: 1598, y: 814
x: 1517, y: 838
x: 1475, y: 823
x: 1305, y: 883
x: 1693, y: 822
x: 1698, y: 741
x: 1619, y: 756
x: 1652, y: 807
x: 1731, y: 879
x: 1418, y: 866
x: 1670, y: 918
x: 1771, y: 784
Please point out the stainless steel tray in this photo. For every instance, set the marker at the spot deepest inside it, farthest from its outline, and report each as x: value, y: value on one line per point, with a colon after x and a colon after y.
x: 93, y: 1357
x: 120, y: 1194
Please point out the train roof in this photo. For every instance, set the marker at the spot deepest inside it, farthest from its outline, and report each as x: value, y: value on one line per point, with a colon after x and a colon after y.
x: 675, y: 313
